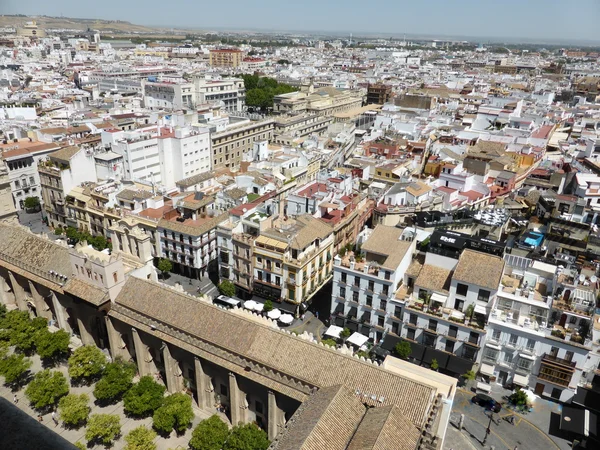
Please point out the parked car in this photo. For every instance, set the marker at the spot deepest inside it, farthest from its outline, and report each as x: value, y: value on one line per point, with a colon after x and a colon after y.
x: 487, y: 402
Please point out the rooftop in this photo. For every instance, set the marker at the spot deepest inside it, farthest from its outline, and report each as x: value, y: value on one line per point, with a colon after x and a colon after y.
x: 480, y: 269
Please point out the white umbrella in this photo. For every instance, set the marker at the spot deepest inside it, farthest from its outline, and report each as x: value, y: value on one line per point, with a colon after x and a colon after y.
x: 274, y: 314
x: 286, y: 319
x: 530, y: 395
x: 334, y: 331
x: 259, y: 307
x: 250, y: 304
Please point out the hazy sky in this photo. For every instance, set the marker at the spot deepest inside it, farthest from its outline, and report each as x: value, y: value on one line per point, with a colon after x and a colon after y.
x: 556, y: 20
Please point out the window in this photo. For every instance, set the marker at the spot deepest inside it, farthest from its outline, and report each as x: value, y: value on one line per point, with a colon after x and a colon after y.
x: 483, y: 296
x: 490, y: 355
x: 410, y: 334
x: 278, y: 281
x: 371, y: 285
x: 344, y: 277
x: 432, y: 325
x: 469, y: 353
x: 380, y: 321
x: 449, y: 346
x: 453, y: 331
x: 524, y: 364
x: 387, y: 275
x: 259, y: 259
x: 355, y: 296
x: 369, y: 300
x: 383, y: 305
x: 530, y: 345
x: 115, y: 277
x: 223, y: 390
x: 462, y: 289
x: 569, y: 356
x: 396, y: 328
x: 573, y: 320
x: 357, y: 281
x: 496, y: 335
x: 429, y: 340
x: 258, y: 406
x: 398, y: 311
x: 385, y: 290
x: 513, y: 339
x: 508, y: 357
x: 343, y: 292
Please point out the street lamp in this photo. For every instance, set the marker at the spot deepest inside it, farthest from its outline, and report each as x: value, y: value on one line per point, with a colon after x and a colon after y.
x: 488, y: 429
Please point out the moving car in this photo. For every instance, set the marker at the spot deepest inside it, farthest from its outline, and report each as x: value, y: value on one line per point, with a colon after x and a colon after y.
x: 487, y: 402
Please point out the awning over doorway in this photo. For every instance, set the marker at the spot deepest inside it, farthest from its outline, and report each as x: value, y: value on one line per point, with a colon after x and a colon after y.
x: 487, y: 369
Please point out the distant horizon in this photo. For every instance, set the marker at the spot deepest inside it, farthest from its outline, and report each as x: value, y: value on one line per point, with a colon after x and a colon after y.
x: 472, y: 20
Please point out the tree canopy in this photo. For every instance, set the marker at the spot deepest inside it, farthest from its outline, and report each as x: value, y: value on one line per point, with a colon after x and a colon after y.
x: 164, y: 265
x: 116, y: 380
x: 74, y: 409
x: 52, y: 345
x: 144, y: 397
x: 210, y: 434
x: 403, y: 349
x: 98, y: 242
x: 20, y: 330
x: 227, y: 288
x: 260, y: 91
x: 46, y: 388
x: 86, y: 362
x: 140, y: 438
x: 13, y: 367
x: 246, y: 437
x: 31, y: 202
x: 175, y: 413
x: 103, y: 428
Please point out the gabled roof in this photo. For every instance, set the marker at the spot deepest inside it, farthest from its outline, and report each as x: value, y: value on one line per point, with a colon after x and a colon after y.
x: 479, y: 269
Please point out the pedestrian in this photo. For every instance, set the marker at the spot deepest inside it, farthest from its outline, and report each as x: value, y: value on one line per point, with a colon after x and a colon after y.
x: 317, y: 314
x: 40, y: 418
x: 54, y: 419
x: 15, y: 399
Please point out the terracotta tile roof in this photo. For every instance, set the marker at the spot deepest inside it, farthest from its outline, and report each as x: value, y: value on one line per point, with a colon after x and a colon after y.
x: 190, y: 228
x: 480, y: 269
x: 313, y: 364
x: 327, y: 420
x: 195, y: 179
x: 386, y: 241
x: 434, y: 278
x: 134, y: 194
x: 65, y: 154
x: 34, y: 251
x: 85, y: 291
x: 311, y: 229
x: 383, y: 429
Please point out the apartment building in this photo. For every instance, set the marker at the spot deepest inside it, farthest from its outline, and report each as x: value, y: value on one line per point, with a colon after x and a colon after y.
x: 447, y: 297
x: 8, y: 213
x: 168, y: 95
x: 161, y: 155
x: 59, y: 174
x: 293, y: 259
x: 364, y: 286
x: 228, y: 91
x: 230, y: 145
x: 540, y: 328
x: 226, y: 57
x: 22, y: 158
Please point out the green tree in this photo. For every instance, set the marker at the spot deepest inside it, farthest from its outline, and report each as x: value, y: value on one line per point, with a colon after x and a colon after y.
x: 165, y: 266
x: 227, y: 288
x: 403, y: 349
x: 46, y: 388
x: 52, y: 345
x: 345, y: 333
x: 434, y: 364
x: 103, y: 428
x: 80, y: 445
x: 210, y: 434
x: 175, y: 413
x: 20, y: 330
x: 86, y: 363
x: 116, y: 380
x: 519, y: 398
x: 330, y: 342
x: 268, y: 306
x: 144, y: 397
x: 32, y: 203
x: 470, y: 375
x: 74, y: 409
x: 247, y: 437
x: 14, y: 367
x: 140, y: 438
x: 470, y: 311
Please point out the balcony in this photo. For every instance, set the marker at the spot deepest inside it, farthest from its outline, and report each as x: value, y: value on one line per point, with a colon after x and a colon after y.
x: 556, y: 370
